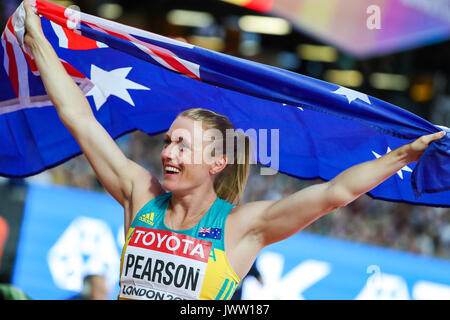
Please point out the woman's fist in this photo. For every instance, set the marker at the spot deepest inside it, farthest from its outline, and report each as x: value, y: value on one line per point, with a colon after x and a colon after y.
x: 32, y: 23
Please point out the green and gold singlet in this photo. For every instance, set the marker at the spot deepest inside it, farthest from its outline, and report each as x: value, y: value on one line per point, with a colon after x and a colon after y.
x: 159, y: 263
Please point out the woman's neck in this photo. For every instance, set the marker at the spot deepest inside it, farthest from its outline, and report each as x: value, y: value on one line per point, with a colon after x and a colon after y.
x: 185, y: 210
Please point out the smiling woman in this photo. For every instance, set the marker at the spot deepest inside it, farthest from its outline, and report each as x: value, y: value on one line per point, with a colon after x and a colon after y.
x: 230, y: 173
x: 189, y: 237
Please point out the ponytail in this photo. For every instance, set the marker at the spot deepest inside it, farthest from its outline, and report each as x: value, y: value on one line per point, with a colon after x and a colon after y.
x: 230, y: 183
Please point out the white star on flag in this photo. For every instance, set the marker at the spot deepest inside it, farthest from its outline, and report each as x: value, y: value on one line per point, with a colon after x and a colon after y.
x: 399, y: 172
x: 352, y: 95
x: 300, y: 108
x: 112, y: 82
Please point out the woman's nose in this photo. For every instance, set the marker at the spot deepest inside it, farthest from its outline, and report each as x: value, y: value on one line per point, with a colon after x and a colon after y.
x: 169, y: 151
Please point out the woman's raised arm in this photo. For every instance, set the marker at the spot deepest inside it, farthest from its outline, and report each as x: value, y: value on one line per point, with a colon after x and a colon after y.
x: 273, y: 221
x: 119, y: 175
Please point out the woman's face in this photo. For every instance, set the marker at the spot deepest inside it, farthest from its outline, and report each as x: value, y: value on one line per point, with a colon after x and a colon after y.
x: 182, y: 157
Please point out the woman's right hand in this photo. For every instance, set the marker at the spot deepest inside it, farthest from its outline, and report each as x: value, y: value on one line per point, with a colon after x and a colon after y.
x: 32, y: 24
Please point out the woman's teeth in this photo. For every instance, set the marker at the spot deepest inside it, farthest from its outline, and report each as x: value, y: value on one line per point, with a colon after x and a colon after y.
x: 172, y: 169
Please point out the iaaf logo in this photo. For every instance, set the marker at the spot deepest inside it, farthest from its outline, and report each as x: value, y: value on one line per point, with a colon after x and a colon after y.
x: 170, y: 242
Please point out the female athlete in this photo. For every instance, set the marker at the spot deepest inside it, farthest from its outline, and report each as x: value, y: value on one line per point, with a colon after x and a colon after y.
x: 189, y: 237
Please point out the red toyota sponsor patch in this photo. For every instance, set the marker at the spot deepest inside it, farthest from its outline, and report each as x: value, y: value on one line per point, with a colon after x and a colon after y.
x: 170, y: 242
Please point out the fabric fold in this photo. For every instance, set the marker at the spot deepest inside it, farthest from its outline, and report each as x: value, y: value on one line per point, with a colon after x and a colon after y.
x: 147, y: 79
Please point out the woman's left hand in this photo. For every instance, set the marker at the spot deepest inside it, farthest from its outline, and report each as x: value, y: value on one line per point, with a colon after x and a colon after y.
x: 418, y: 146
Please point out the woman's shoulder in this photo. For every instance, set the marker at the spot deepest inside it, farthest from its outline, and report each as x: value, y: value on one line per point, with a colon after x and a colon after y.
x: 244, y: 215
x: 253, y: 206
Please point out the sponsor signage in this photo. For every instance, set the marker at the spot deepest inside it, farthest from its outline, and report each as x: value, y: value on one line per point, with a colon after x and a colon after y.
x: 313, y: 267
x: 68, y: 233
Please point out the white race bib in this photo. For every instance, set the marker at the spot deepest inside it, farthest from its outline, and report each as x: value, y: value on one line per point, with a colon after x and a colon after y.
x: 163, y: 265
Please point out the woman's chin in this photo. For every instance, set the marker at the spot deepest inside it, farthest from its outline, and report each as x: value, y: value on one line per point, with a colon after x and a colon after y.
x: 170, y: 186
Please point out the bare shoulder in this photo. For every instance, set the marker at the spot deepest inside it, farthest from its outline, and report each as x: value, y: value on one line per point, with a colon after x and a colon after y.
x: 242, y: 243
x: 244, y: 219
x: 250, y: 209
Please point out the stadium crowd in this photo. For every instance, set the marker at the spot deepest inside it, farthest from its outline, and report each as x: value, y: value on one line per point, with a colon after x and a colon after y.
x: 418, y: 229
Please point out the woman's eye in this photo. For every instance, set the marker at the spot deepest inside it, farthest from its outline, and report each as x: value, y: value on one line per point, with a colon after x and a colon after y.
x: 182, y: 145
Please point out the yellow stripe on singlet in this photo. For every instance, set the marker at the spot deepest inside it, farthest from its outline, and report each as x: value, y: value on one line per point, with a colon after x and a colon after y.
x: 227, y: 284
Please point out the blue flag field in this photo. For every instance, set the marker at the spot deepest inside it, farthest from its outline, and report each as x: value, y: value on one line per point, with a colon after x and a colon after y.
x: 138, y: 80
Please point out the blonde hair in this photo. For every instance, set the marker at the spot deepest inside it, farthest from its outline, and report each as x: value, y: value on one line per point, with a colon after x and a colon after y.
x: 229, y: 185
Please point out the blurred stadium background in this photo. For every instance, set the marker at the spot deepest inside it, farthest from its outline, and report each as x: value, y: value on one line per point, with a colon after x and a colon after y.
x: 60, y: 225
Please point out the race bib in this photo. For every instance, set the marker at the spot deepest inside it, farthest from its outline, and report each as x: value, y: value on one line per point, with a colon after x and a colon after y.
x: 163, y: 265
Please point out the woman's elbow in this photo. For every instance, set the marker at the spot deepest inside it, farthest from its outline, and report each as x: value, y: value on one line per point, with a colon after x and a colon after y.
x: 339, y: 196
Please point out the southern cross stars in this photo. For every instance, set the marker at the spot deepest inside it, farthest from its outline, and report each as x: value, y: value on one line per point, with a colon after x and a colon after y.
x: 112, y: 82
x: 399, y: 172
x: 352, y: 95
x: 299, y: 108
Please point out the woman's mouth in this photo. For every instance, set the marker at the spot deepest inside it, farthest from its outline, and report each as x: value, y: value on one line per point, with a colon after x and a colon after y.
x: 170, y: 170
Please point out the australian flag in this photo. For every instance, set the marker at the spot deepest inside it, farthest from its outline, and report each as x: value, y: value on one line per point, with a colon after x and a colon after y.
x: 212, y: 233
x: 138, y: 80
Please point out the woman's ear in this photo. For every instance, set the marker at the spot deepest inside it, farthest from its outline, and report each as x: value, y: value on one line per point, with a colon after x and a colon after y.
x: 219, y: 164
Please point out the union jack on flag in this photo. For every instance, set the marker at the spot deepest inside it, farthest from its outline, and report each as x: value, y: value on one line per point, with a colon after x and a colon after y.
x: 138, y: 80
